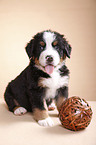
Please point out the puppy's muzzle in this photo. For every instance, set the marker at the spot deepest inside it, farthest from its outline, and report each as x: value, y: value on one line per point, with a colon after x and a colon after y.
x: 49, y: 59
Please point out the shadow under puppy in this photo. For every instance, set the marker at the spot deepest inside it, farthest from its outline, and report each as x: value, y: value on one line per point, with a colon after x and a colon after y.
x: 46, y: 77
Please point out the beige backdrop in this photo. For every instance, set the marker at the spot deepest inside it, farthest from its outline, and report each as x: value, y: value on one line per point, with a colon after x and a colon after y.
x: 21, y: 19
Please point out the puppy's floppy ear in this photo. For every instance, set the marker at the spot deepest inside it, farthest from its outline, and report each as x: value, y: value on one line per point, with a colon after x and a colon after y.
x: 67, y: 48
x: 29, y: 48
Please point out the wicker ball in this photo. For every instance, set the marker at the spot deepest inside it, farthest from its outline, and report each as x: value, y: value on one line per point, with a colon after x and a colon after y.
x: 75, y: 113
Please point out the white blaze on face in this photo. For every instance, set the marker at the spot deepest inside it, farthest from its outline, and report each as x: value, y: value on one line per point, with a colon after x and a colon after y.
x: 49, y: 38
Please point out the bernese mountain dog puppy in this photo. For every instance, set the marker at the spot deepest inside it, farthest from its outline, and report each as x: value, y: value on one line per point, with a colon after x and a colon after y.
x: 46, y: 77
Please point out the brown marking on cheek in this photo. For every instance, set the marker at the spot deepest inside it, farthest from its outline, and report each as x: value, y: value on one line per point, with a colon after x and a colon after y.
x: 64, y: 55
x: 62, y: 58
x: 36, y: 61
x: 40, y: 114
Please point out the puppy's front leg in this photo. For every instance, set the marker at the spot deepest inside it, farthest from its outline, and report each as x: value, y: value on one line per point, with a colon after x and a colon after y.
x: 40, y: 114
x: 62, y: 95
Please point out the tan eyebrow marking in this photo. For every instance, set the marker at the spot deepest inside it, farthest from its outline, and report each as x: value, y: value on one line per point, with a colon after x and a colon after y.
x: 42, y: 43
x: 55, y: 43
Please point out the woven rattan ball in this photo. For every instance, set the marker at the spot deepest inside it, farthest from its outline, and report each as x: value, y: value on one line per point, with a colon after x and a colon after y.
x: 75, y: 113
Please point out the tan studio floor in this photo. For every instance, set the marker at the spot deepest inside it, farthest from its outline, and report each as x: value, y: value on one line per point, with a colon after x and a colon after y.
x: 23, y: 130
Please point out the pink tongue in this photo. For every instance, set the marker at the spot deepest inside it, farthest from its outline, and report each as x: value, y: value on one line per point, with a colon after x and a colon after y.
x: 49, y: 69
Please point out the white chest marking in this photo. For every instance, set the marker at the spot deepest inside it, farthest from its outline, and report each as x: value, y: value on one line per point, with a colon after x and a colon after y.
x: 54, y: 83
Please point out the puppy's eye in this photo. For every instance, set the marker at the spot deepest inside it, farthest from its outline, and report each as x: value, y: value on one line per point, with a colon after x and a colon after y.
x: 55, y: 43
x: 42, y: 43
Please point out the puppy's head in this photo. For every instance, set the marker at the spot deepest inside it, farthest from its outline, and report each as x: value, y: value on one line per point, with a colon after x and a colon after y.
x: 48, y: 49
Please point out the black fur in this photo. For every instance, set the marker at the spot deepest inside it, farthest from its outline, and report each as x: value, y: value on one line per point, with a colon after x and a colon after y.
x: 24, y: 89
x: 63, y: 46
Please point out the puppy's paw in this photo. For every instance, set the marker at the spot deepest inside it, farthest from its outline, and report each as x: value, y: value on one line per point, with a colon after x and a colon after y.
x: 20, y: 111
x: 46, y: 122
x: 51, y: 106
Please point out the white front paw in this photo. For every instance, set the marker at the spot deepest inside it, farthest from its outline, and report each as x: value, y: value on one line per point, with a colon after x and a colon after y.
x: 51, y: 107
x: 20, y: 111
x: 46, y: 122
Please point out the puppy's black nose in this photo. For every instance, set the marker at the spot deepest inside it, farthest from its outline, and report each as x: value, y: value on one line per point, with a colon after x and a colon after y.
x: 49, y: 58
